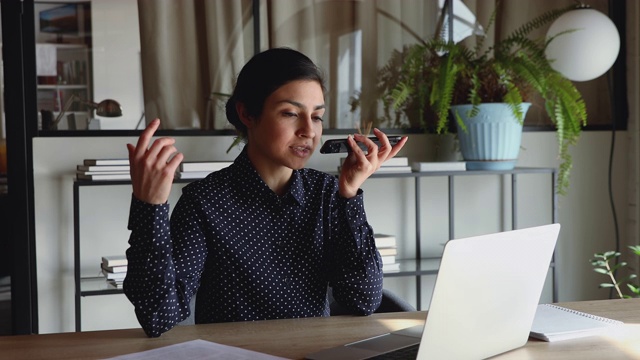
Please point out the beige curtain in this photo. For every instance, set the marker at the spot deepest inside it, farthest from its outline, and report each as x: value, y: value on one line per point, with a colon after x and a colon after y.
x: 189, y: 49
x: 349, y: 40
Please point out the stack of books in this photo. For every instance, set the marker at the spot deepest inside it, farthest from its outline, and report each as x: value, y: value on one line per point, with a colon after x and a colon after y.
x: 393, y: 165
x: 114, y: 269
x: 199, y: 169
x: 103, y: 169
x: 388, y: 249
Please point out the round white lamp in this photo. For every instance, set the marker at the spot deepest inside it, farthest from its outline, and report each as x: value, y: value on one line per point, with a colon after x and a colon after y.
x: 588, y: 47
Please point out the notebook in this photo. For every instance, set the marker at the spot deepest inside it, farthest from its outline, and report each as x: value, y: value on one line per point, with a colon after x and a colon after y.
x: 485, y: 298
x: 555, y: 323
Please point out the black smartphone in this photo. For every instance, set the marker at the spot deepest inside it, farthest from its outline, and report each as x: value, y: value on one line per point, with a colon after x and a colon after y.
x: 335, y: 146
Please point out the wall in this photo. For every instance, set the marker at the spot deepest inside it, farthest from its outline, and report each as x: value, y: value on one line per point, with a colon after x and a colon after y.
x: 584, y: 215
x: 117, y: 70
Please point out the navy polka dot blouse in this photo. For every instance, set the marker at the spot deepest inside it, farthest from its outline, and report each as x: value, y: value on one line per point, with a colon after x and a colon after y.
x: 249, y: 253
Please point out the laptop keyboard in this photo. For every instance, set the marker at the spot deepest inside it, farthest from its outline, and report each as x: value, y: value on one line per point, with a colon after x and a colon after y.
x: 409, y: 352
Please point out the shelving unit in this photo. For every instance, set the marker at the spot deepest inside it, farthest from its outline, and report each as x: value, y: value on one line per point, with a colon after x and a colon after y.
x: 429, y: 266
x: 418, y: 267
x: 90, y: 285
x: 74, y: 76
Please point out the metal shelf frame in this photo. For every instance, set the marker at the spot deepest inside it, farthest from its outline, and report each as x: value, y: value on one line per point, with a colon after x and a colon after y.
x: 417, y: 267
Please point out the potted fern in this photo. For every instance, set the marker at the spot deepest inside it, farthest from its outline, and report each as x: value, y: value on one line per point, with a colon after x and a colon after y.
x: 450, y: 83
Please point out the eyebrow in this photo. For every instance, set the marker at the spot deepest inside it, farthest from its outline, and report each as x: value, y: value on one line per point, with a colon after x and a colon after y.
x: 301, y: 106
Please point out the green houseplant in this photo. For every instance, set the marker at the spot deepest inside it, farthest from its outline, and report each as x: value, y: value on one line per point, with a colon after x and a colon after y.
x: 426, y: 79
x: 606, y: 264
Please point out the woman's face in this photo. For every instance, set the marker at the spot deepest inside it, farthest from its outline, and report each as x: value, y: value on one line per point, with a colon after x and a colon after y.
x: 290, y: 126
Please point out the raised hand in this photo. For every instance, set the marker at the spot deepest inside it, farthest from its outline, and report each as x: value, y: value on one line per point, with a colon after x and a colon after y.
x: 153, y: 167
x: 359, y: 166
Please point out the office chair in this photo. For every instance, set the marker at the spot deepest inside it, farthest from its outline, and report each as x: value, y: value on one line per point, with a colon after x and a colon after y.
x: 391, y: 302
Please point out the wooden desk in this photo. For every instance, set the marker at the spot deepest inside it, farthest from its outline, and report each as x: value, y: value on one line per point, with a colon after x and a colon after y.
x: 294, y: 338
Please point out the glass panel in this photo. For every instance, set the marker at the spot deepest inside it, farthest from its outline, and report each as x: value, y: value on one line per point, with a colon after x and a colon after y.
x: 86, y: 66
x: 191, y: 52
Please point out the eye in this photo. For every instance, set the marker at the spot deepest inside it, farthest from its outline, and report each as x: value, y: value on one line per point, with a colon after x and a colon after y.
x: 290, y: 114
x: 318, y: 118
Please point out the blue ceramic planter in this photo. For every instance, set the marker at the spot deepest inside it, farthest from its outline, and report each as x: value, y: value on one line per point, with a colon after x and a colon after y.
x: 492, y: 139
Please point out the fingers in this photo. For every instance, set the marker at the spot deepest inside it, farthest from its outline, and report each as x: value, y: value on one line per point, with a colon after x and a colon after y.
x: 387, y: 151
x: 145, y: 138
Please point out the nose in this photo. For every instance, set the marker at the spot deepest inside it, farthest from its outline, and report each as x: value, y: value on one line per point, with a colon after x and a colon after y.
x: 307, y: 128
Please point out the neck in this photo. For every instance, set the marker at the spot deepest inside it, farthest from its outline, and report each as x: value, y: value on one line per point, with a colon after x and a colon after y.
x: 276, y: 177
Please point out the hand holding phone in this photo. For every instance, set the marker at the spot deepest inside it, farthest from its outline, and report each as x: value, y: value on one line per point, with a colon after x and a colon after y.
x: 335, y: 146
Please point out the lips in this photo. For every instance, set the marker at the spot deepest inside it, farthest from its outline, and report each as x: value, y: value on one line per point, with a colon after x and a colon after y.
x: 302, y: 150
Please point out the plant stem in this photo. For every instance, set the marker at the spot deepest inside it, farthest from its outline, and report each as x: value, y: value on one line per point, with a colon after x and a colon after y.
x: 613, y: 280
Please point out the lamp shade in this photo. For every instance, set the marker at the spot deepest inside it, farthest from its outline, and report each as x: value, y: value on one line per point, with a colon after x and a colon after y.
x: 588, y: 47
x: 108, y: 108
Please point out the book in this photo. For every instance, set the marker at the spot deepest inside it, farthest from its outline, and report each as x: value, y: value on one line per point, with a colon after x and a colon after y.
x: 384, y: 241
x: 192, y: 174
x: 103, y: 172
x: 208, y: 166
x: 394, y: 169
x: 114, y: 276
x: 556, y: 323
x: 394, y: 161
x: 391, y: 267
x: 388, y: 251
x: 439, y: 166
x: 114, y: 269
x: 388, y: 259
x: 103, y: 168
x: 114, y: 260
x: 95, y: 177
x: 111, y: 162
x: 389, y: 169
x: 115, y: 284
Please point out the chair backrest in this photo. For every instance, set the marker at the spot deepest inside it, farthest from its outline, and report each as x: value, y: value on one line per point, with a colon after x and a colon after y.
x: 391, y: 302
x: 191, y: 319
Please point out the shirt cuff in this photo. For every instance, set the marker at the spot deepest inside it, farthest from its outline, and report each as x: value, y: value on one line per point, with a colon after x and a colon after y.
x: 142, y: 215
x: 354, y: 208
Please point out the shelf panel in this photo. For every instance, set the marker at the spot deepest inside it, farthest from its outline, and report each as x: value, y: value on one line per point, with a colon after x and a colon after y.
x: 63, y: 87
x: 417, y: 174
x: 412, y: 267
x: 97, y: 286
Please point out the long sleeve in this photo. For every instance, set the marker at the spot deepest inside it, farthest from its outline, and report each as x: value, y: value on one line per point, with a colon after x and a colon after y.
x: 356, y: 278
x: 156, y: 282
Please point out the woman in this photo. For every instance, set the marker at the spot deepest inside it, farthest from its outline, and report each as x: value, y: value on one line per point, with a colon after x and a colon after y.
x: 265, y: 237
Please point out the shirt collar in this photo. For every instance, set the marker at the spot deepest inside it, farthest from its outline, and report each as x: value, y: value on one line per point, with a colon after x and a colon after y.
x: 295, y: 192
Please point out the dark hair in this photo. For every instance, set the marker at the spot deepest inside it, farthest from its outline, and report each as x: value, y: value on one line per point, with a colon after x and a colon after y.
x: 264, y: 74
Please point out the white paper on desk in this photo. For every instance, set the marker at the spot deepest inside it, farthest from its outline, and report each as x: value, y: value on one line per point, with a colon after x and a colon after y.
x: 198, y: 349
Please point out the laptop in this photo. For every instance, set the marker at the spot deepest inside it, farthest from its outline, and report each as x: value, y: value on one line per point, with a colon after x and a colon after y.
x: 484, y: 300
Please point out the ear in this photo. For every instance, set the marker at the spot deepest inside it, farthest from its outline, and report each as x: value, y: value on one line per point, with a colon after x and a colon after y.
x: 243, y: 115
